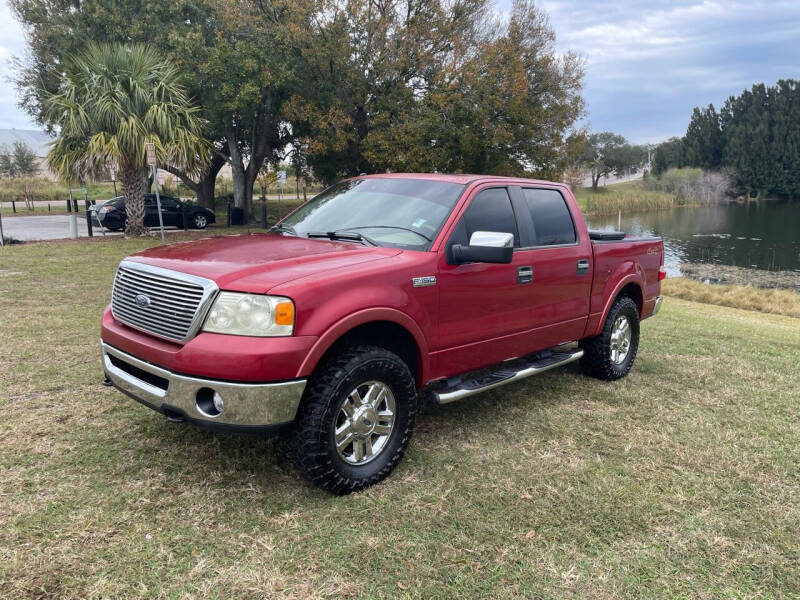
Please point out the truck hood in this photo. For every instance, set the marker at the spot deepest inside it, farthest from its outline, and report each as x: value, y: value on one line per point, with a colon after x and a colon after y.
x: 258, y: 262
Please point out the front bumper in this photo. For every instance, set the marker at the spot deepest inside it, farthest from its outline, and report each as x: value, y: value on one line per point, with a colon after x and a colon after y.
x: 246, y: 406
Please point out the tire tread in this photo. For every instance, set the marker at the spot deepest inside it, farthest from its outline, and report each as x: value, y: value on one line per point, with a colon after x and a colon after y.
x: 305, y: 443
x: 596, y: 361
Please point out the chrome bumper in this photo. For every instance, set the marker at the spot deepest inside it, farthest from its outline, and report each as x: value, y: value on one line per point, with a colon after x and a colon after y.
x: 657, y: 305
x: 245, y: 405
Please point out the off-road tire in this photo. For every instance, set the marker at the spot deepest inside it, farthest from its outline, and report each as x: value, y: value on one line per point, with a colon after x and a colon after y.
x: 596, y: 360
x: 309, y: 443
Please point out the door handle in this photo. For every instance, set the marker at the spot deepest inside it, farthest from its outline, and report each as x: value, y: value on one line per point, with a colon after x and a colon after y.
x: 524, y: 274
x: 583, y: 266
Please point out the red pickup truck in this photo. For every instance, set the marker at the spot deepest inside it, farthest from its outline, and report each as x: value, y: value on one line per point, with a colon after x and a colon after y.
x: 380, y: 290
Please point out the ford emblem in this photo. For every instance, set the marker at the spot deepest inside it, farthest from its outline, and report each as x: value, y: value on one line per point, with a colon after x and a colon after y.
x: 142, y: 301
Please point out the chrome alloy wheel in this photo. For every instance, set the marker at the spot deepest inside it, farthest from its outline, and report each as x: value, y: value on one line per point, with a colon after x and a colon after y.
x: 364, y: 423
x: 620, y: 339
x: 200, y: 221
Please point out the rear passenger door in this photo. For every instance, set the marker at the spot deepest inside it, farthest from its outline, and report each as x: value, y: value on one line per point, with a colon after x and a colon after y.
x: 560, y: 289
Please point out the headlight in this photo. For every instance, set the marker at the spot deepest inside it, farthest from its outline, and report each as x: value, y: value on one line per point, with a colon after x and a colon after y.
x: 250, y: 314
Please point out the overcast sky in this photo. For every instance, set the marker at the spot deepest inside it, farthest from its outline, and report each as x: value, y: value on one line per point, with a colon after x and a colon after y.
x: 648, y: 63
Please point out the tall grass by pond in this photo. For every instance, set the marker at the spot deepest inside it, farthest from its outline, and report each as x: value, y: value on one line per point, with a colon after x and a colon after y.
x: 675, y: 187
x: 627, y: 197
x: 747, y: 297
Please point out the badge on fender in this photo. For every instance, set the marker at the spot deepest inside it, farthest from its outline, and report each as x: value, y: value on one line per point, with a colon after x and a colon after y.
x: 423, y: 281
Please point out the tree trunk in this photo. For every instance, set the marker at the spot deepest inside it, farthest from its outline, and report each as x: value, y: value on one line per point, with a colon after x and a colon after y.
x: 244, y: 178
x: 241, y: 198
x: 205, y: 192
x: 133, y: 182
x: 264, y: 137
x: 205, y: 186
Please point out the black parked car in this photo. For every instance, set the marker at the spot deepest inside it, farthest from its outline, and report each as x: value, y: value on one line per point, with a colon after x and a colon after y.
x: 111, y: 214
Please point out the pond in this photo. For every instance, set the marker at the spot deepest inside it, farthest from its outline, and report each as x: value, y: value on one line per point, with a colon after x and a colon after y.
x: 760, y: 235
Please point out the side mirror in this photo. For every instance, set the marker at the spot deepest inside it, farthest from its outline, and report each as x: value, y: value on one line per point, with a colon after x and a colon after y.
x: 485, y: 247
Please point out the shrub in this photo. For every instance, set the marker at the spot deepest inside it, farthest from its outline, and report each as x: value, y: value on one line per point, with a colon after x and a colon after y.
x: 691, y: 185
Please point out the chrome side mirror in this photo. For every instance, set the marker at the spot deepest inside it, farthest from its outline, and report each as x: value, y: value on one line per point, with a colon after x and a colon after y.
x: 485, y: 247
x: 492, y: 239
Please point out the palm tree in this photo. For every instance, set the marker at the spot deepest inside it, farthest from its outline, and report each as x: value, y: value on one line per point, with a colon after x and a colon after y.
x: 112, y: 100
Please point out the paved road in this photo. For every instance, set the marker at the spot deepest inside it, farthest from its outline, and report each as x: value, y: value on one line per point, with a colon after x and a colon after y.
x: 51, y: 227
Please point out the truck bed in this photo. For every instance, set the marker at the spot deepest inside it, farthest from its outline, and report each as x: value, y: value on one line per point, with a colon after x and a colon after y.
x: 616, y: 258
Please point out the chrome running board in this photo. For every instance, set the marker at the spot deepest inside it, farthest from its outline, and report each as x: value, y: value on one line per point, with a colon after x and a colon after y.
x: 503, y: 374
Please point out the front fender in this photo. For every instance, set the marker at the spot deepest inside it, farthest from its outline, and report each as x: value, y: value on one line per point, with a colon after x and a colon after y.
x: 367, y: 315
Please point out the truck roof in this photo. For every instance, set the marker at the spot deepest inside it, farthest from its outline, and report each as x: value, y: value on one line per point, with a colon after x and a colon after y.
x: 462, y: 179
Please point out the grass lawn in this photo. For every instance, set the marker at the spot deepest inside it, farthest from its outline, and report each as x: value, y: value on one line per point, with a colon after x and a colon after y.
x: 682, y: 480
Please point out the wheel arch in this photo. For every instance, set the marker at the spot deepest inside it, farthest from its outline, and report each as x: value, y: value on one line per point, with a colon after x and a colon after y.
x: 384, y: 327
x: 630, y: 286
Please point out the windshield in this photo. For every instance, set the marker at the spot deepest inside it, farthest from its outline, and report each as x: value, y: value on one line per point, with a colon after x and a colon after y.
x: 390, y: 212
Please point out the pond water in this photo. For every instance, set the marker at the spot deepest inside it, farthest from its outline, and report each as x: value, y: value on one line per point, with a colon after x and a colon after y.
x: 760, y: 235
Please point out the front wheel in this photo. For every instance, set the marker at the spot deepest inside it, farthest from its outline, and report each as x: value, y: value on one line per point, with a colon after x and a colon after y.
x: 355, y: 420
x: 610, y: 355
x: 199, y: 221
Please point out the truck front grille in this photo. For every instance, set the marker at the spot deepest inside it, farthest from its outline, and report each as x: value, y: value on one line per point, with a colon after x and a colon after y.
x: 164, y: 303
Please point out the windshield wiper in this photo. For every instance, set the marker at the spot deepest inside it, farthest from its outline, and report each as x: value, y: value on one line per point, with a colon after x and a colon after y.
x: 284, y: 227
x: 422, y: 235
x: 343, y: 235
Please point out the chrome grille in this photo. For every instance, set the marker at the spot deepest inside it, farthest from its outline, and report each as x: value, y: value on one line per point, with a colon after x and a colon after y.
x: 170, y: 305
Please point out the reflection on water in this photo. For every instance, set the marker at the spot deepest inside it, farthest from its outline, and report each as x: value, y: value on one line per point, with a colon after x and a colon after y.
x: 762, y: 235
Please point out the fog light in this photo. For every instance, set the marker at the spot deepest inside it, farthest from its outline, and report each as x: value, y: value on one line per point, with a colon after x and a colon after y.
x: 218, y: 403
x: 209, y: 402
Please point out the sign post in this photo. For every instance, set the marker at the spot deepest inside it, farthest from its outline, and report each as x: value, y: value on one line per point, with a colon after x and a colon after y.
x: 73, y: 216
x: 281, y: 183
x: 150, y: 149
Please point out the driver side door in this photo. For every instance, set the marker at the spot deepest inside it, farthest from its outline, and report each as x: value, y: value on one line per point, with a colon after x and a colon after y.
x: 482, y: 305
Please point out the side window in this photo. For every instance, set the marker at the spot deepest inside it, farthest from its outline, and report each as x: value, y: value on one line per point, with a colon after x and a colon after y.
x: 168, y: 202
x: 149, y: 201
x: 552, y: 221
x: 490, y: 210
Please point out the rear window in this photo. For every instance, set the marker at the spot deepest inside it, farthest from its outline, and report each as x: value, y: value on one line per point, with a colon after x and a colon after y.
x: 552, y: 220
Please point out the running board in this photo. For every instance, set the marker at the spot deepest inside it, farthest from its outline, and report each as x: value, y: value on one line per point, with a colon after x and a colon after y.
x: 501, y: 376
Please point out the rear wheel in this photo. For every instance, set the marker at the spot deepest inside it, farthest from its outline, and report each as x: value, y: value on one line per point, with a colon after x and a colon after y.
x: 355, y: 421
x: 610, y: 355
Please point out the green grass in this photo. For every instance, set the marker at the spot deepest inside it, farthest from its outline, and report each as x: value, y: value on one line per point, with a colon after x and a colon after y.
x: 627, y: 196
x: 680, y: 481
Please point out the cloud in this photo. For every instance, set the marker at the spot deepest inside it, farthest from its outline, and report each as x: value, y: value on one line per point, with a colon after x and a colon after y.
x: 649, y: 63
